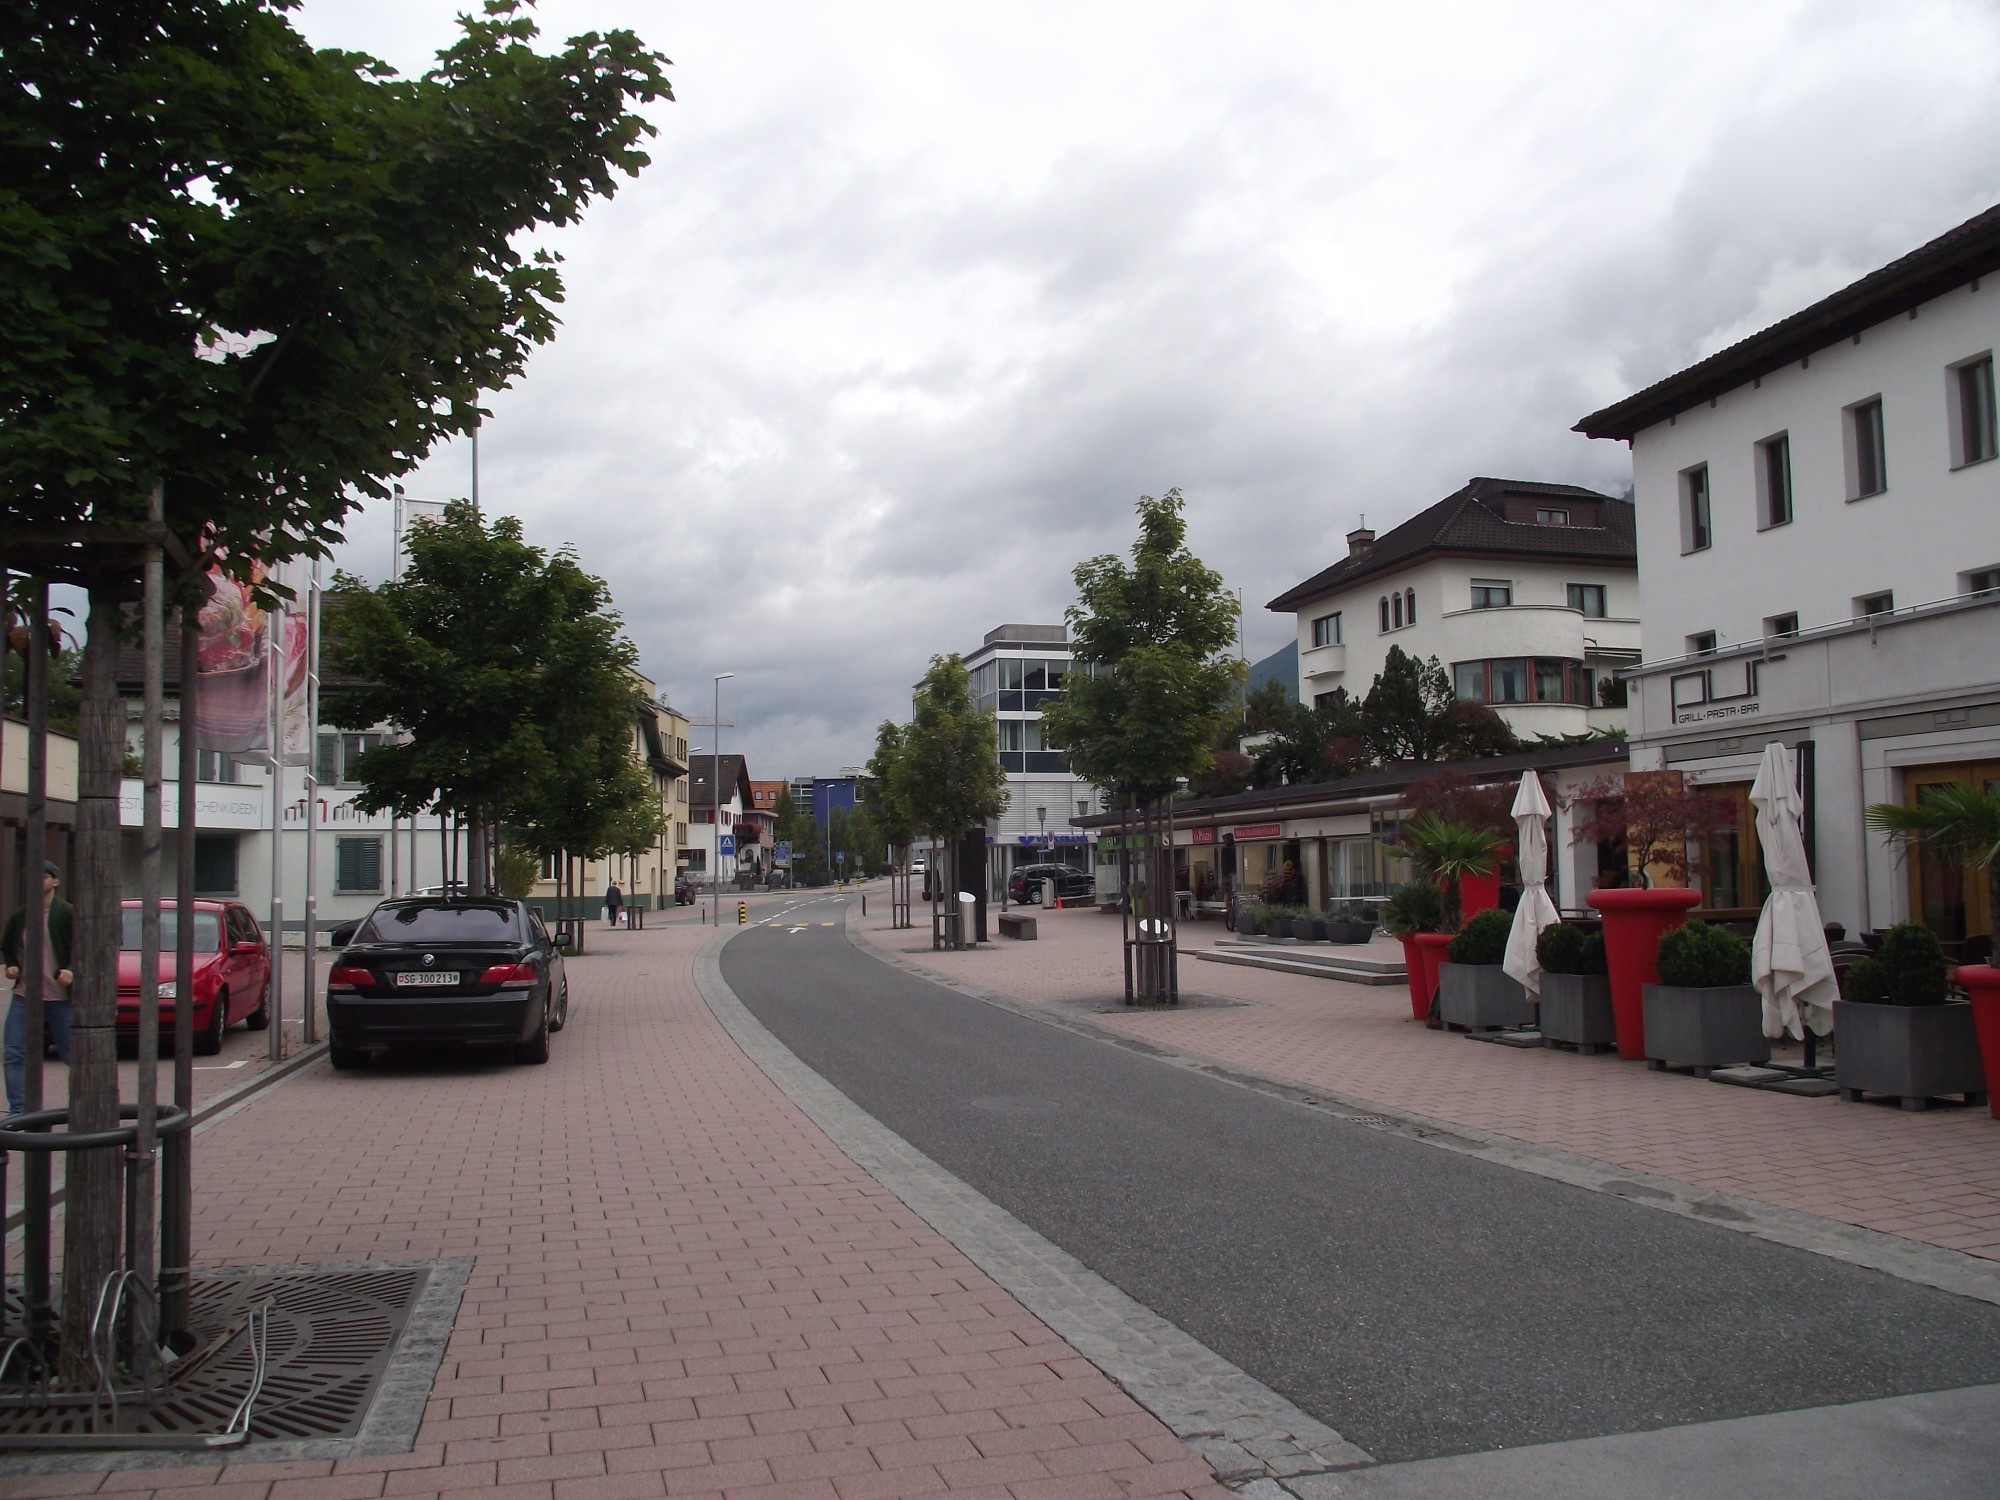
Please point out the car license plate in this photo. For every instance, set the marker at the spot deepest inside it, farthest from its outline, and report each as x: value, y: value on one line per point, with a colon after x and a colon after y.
x: 420, y: 979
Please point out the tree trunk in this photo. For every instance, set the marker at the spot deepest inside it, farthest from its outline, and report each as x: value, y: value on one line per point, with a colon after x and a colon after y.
x: 91, y: 1214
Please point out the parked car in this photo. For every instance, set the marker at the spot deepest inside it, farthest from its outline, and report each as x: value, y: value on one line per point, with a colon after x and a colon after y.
x: 1026, y: 883
x: 683, y: 891
x: 232, y: 972
x: 474, y: 971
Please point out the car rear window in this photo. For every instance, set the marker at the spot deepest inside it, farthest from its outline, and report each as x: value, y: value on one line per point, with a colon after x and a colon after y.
x: 207, y: 935
x: 454, y: 923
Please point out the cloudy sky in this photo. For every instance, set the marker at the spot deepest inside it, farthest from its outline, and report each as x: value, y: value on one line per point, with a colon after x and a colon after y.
x: 916, y: 300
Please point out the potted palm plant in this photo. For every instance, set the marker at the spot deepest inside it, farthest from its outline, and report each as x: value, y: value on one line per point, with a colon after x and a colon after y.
x: 1576, y: 988
x: 1900, y: 1034
x: 1704, y: 1013
x: 1960, y: 824
x: 1445, y: 852
x: 1474, y: 992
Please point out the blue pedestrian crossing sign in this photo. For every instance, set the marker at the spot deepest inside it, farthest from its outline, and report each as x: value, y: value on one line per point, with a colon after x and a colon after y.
x: 840, y: 858
x: 727, y: 844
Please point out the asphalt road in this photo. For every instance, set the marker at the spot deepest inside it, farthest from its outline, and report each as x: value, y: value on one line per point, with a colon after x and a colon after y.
x: 1422, y: 1302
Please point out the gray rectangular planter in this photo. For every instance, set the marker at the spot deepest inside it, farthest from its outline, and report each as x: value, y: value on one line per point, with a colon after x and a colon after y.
x: 1576, y: 1009
x: 1704, y: 1028
x: 1481, y: 997
x: 1915, y: 1052
x: 1349, y: 932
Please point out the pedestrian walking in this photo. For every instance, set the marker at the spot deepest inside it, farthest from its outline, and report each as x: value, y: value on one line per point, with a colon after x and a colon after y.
x: 58, y: 920
x: 614, y: 903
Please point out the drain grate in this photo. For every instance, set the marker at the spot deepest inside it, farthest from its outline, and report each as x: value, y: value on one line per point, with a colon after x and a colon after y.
x: 333, y: 1333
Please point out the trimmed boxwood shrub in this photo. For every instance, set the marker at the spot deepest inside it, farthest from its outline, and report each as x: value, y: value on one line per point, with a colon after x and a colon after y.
x: 1697, y: 956
x: 1865, y: 982
x: 1566, y: 948
x: 1912, y: 962
x: 1483, y: 940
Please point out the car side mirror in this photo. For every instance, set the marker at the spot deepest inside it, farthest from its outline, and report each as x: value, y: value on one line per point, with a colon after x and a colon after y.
x: 342, y: 935
x: 243, y: 948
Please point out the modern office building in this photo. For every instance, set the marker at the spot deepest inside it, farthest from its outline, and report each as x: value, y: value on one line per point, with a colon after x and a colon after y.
x: 1819, y: 538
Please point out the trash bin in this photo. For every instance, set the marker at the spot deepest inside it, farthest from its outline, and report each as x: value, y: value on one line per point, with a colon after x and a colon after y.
x: 968, y: 918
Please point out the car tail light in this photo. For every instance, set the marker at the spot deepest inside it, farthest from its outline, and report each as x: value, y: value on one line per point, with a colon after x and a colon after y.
x: 511, y: 976
x: 347, y: 977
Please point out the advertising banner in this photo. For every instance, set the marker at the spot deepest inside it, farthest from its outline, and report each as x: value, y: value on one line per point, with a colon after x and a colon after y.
x: 294, y: 663
x: 233, y: 660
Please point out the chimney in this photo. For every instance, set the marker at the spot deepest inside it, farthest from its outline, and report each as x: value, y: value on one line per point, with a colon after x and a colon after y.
x: 1359, y: 541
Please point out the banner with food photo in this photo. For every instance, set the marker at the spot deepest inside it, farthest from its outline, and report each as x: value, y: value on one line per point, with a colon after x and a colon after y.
x: 233, y: 661
x: 294, y: 638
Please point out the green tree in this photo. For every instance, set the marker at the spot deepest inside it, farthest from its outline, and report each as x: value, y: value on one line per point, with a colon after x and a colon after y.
x: 504, y: 666
x: 1411, y: 713
x: 263, y: 279
x: 942, y: 770
x: 1307, y: 743
x: 1156, y: 677
x: 1446, y: 852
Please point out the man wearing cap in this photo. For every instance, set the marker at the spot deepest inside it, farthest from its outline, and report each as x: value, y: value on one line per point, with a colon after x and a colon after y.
x: 58, y: 918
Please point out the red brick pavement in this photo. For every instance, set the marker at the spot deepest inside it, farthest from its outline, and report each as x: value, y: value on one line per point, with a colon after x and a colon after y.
x: 681, y: 1288
x: 1933, y: 1177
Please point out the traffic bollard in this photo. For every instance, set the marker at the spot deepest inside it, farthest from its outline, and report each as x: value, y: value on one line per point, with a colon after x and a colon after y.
x: 742, y: 912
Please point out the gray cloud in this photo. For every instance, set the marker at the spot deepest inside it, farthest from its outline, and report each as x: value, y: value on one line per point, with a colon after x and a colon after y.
x: 915, y: 302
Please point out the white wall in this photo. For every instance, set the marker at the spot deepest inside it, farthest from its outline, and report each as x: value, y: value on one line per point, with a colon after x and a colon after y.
x: 1930, y: 525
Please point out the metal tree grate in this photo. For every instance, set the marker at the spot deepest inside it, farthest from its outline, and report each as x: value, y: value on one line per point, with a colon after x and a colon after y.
x: 332, y: 1334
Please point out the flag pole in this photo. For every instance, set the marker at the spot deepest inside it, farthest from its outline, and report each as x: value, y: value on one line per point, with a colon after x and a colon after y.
x: 275, y: 664
x: 308, y: 1000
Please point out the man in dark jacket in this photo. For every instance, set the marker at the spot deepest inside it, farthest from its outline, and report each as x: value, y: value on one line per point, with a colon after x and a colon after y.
x: 614, y: 902
x: 58, y: 920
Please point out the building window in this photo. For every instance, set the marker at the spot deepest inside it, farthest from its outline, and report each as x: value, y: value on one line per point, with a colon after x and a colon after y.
x: 1587, y: 599
x: 1492, y: 593
x: 1326, y: 700
x: 214, y: 765
x: 1973, y: 437
x: 338, y: 754
x: 215, y: 864
x: 1695, y: 532
x: 1523, y: 679
x: 551, y: 867
x: 1867, y: 459
x: 1983, y: 581
x: 1875, y: 604
x: 696, y: 859
x: 1326, y: 630
x: 357, y: 865
x: 1383, y: 605
x: 1409, y: 606
x: 1396, y: 610
x: 1701, y: 643
x: 1774, y: 481
x: 1552, y: 518
x: 1781, y: 627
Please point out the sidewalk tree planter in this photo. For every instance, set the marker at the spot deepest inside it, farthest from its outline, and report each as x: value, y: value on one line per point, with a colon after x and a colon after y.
x: 1704, y: 1013
x: 1899, y: 1033
x: 1634, y: 923
x: 1474, y: 991
x: 1413, y: 909
x: 1576, y: 991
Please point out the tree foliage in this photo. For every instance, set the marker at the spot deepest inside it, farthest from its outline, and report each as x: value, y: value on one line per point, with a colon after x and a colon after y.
x: 940, y: 773
x: 1411, y: 713
x: 1156, y: 678
x: 504, y: 665
x: 1657, y: 817
x: 1956, y: 823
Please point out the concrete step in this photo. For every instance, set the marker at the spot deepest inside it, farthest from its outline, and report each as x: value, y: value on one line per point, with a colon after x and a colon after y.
x: 1377, y: 958
x: 1370, y: 971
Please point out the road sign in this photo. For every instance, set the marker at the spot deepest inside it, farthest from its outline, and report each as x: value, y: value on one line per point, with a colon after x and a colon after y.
x: 781, y: 856
x: 840, y: 858
x: 726, y: 845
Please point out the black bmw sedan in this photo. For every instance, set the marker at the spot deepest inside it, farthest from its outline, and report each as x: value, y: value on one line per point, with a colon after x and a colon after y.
x: 446, y: 970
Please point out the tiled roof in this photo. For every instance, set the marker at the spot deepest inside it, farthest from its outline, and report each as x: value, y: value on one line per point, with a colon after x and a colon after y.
x: 1950, y: 261
x: 1473, y: 521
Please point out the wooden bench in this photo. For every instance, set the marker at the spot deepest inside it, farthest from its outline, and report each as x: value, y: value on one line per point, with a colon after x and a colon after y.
x: 1017, y: 927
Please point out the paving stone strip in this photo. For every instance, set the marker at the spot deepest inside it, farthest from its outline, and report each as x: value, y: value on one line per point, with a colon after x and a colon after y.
x: 1245, y: 1430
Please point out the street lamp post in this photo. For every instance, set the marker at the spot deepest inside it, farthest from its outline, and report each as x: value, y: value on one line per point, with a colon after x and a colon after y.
x: 715, y: 776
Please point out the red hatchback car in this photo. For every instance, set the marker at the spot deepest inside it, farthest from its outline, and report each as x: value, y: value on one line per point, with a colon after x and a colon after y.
x: 232, y: 973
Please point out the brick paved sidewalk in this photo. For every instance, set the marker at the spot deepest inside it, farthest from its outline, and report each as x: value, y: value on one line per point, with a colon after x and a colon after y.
x: 680, y: 1287
x: 1933, y: 1177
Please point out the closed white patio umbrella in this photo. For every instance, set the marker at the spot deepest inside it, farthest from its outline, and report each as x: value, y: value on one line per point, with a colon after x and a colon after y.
x: 1789, y: 960
x: 1536, y: 911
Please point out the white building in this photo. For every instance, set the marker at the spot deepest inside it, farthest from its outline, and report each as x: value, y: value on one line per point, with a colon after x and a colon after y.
x: 706, y: 818
x: 1527, y: 593
x: 1819, y: 522
x: 1015, y: 670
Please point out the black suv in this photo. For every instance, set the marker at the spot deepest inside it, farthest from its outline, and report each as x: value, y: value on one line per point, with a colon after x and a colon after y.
x: 1025, y: 884
x: 453, y: 970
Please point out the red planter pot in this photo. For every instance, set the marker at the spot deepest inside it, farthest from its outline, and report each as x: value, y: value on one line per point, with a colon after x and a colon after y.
x: 1634, y: 922
x: 1982, y: 983
x: 1430, y: 954
x: 1413, y: 966
x: 1478, y: 893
